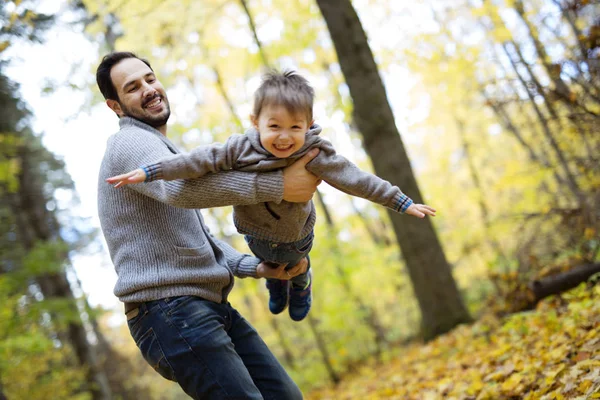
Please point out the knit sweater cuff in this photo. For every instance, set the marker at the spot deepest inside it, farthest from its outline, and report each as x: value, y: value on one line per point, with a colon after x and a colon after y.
x: 153, y: 172
x: 402, y: 202
x: 247, y: 267
x: 268, y: 185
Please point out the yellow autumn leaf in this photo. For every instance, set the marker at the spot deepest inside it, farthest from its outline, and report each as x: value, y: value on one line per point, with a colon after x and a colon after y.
x: 584, y: 386
x: 589, y: 233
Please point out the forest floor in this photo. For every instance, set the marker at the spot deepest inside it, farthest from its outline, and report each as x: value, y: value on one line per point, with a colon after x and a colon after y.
x: 552, y: 352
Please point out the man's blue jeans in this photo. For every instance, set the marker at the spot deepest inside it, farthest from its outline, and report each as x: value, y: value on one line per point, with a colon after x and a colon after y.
x: 210, y: 350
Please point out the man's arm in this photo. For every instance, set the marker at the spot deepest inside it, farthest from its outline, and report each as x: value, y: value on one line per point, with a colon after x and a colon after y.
x: 131, y: 148
x: 247, y: 266
x: 241, y: 265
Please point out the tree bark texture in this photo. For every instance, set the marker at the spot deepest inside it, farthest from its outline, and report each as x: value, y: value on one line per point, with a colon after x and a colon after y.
x: 439, y: 299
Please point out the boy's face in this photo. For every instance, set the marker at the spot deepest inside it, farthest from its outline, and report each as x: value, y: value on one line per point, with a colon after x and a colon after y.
x: 281, y: 132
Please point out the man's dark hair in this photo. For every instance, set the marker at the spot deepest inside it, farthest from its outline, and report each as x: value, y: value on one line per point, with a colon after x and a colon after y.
x: 103, y: 80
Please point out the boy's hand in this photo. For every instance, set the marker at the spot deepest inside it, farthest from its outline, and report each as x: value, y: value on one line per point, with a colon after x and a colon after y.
x: 136, y: 176
x: 420, y: 210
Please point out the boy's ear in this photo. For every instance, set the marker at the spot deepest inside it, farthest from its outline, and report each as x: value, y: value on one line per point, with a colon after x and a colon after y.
x: 311, y: 123
x: 115, y: 106
x: 254, y: 121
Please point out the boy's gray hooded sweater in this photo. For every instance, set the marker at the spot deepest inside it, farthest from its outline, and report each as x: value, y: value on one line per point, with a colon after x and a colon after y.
x: 278, y: 221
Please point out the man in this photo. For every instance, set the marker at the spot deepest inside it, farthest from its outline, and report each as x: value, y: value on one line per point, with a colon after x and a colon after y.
x: 173, y: 276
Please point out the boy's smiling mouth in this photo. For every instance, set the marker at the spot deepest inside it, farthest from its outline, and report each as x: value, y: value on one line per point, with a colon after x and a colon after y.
x: 283, y: 147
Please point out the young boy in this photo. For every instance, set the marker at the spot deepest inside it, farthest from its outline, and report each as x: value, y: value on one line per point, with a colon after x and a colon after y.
x: 283, y: 131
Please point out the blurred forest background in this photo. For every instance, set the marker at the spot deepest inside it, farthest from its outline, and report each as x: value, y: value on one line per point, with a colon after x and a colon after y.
x: 496, y: 103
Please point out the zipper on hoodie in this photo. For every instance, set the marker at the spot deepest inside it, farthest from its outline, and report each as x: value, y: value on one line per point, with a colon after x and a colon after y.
x: 273, y: 213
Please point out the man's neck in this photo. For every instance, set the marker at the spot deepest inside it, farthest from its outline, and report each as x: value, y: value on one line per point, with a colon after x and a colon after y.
x: 162, y: 129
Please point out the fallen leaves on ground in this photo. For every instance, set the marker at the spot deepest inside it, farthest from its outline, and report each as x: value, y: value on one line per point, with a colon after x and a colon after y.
x: 551, y: 353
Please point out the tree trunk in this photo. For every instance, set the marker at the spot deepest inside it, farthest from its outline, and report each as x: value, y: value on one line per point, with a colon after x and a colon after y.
x: 40, y: 225
x: 377, y: 231
x: 506, y: 121
x: 561, y: 89
x: 312, y: 323
x: 571, y: 181
x: 255, y: 34
x: 571, y: 17
x: 2, y: 395
x: 556, y: 284
x: 226, y: 98
x: 287, y: 352
x: 370, y: 316
x: 483, y: 209
x: 439, y: 299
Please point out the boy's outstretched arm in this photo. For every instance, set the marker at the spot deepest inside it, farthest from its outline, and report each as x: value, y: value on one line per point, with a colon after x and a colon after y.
x: 344, y: 175
x: 132, y: 148
x: 194, y: 164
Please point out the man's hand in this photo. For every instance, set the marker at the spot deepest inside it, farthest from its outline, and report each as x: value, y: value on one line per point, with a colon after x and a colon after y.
x: 420, y: 210
x: 299, y: 185
x: 264, y: 271
x: 135, y: 176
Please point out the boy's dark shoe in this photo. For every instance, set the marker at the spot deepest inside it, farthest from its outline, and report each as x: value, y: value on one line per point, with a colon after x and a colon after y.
x: 300, y: 301
x: 278, y: 295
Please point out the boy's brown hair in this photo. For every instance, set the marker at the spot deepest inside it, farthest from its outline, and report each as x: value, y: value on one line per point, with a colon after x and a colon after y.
x: 288, y: 89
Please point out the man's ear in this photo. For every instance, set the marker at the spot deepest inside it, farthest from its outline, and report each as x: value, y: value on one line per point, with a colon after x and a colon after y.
x: 115, y: 106
x: 254, y: 121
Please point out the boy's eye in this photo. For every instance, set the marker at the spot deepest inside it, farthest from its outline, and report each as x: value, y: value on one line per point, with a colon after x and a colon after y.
x: 295, y: 127
x: 273, y: 126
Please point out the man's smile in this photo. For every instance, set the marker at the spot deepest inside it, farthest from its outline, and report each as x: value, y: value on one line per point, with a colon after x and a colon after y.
x: 154, y: 104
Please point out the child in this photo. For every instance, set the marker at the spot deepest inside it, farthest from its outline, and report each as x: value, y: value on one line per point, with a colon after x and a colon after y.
x: 283, y: 131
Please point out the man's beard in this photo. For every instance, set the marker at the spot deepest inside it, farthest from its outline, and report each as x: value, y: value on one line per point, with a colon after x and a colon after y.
x: 153, y: 121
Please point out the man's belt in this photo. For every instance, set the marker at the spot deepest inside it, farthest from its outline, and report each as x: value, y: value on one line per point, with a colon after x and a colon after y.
x: 132, y: 310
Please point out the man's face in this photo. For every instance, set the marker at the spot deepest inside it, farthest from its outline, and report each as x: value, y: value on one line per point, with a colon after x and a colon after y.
x: 281, y: 133
x: 141, y: 95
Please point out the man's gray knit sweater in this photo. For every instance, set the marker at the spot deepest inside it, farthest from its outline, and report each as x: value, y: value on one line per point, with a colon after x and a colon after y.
x: 157, y: 239
x: 277, y: 221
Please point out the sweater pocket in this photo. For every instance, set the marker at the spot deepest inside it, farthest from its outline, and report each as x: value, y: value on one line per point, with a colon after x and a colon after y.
x: 191, y: 251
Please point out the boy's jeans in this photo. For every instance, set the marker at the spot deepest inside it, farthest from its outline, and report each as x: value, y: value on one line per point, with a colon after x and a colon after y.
x: 282, y: 253
x: 210, y: 350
